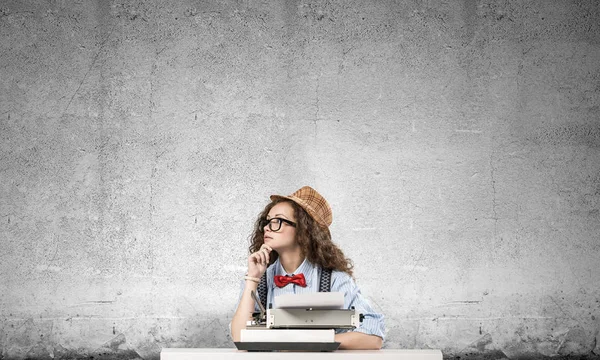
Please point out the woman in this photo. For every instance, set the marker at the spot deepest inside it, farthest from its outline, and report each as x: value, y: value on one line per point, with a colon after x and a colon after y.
x: 292, y: 244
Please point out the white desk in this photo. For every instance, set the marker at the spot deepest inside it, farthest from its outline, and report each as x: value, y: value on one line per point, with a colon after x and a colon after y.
x: 387, y: 354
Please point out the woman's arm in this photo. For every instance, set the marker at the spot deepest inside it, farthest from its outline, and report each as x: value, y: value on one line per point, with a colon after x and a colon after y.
x: 257, y: 265
x: 244, y: 310
x: 354, y: 340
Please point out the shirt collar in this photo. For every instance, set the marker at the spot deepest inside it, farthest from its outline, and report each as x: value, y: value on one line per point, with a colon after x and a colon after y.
x: 306, y: 268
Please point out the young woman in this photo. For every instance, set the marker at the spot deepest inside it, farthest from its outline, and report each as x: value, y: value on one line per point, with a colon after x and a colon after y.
x: 292, y: 244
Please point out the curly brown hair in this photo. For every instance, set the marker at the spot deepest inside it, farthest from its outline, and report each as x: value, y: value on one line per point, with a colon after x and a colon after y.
x: 314, y: 240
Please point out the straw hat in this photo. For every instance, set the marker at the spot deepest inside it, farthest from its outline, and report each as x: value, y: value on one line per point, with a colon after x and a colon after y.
x: 314, y: 204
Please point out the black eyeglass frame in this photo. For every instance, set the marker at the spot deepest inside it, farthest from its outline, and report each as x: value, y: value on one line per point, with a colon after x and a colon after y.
x: 265, y: 222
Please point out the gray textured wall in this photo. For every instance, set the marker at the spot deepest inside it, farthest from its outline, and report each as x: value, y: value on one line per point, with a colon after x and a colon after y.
x: 458, y: 143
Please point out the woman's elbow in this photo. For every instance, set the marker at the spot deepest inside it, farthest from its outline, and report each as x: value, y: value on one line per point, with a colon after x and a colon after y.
x: 377, y: 342
x: 371, y: 342
x: 235, y: 330
x: 359, y: 341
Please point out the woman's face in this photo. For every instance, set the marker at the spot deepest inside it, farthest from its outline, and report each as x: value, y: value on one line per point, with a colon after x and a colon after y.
x: 285, y: 237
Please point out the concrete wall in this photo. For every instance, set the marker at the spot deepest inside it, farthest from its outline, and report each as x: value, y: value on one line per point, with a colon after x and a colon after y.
x: 457, y: 141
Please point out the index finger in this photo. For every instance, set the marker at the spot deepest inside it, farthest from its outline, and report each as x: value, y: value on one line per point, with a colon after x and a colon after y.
x: 265, y: 246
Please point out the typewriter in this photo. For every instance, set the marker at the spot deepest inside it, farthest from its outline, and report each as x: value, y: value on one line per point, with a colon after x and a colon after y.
x: 298, y: 322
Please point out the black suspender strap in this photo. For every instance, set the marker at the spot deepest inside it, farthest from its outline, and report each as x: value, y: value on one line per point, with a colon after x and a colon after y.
x: 325, y: 281
x: 262, y: 290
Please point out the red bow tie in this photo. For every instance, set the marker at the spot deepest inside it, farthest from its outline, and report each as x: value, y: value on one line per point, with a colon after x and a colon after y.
x: 297, y: 279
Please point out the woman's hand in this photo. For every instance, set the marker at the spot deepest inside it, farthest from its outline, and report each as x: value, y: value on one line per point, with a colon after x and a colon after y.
x: 258, y: 261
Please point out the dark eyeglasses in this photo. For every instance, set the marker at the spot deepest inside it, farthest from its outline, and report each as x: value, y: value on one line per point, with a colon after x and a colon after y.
x: 275, y: 223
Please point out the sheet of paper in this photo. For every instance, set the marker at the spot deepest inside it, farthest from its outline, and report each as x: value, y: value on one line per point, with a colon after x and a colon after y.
x: 318, y: 300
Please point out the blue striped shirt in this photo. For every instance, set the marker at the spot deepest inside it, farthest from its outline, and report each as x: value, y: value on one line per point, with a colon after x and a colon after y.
x: 373, y: 322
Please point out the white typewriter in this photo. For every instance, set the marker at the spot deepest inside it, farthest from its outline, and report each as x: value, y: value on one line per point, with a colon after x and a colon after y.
x: 302, y: 322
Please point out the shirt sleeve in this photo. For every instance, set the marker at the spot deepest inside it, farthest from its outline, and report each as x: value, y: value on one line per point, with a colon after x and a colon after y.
x: 373, y: 322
